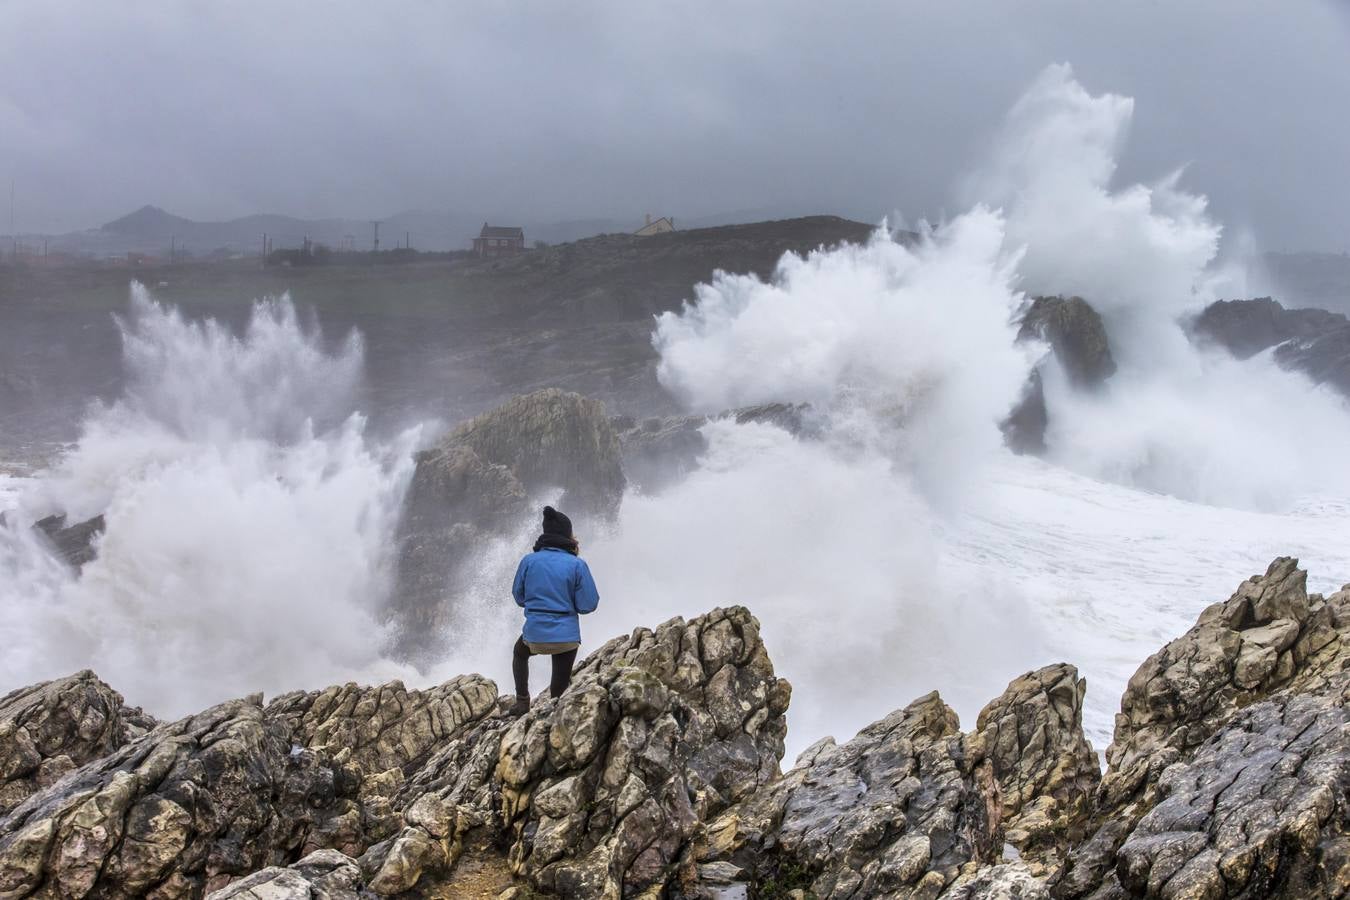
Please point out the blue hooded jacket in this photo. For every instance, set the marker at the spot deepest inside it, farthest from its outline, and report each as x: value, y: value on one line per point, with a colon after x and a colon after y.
x: 554, y: 586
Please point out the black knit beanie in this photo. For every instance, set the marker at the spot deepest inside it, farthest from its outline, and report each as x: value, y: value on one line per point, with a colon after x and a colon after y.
x: 556, y: 523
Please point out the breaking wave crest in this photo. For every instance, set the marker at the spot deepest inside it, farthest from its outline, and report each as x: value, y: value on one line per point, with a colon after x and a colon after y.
x: 248, y: 520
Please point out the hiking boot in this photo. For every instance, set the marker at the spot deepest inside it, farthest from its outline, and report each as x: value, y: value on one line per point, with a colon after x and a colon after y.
x: 521, y: 707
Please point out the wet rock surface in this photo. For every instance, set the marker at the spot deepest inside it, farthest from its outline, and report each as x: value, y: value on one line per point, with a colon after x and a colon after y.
x: 74, y: 544
x: 600, y: 793
x: 1075, y: 333
x: 1228, y: 773
x: 658, y: 775
x: 1046, y: 770
x: 476, y: 485
x: 386, y: 729
x: 899, y: 811
x: 323, y: 875
x: 50, y: 728
x: 1246, y: 327
x: 1312, y: 341
x: 183, y: 810
x: 1269, y: 635
x: 1078, y: 341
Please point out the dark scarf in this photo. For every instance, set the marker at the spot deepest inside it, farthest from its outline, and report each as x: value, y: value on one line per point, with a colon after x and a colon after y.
x: 557, y: 542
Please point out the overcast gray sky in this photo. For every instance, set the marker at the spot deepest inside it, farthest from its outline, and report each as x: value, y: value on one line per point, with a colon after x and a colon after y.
x: 546, y: 111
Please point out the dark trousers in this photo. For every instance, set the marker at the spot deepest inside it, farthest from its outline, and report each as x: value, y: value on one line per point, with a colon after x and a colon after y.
x: 520, y: 668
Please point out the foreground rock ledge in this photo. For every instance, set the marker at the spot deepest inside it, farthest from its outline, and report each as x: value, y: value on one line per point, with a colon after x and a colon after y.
x: 658, y: 775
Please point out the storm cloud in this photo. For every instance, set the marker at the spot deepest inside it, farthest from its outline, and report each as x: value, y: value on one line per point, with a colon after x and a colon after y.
x: 543, y: 111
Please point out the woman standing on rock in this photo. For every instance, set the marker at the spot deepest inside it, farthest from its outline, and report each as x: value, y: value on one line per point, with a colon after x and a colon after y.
x: 554, y: 586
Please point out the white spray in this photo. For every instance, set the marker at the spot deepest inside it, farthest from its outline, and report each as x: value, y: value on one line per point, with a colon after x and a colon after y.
x: 244, y: 550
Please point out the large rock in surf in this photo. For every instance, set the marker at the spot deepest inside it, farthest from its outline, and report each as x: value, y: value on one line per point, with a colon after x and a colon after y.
x: 552, y: 439
x: 1077, y: 338
x: 1075, y: 333
x: 477, y: 484
x: 1246, y: 327
x: 1314, y: 342
x: 73, y: 544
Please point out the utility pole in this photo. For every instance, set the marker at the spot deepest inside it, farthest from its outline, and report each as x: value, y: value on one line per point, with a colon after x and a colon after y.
x: 407, y: 239
x: 14, y: 238
x: 377, y: 236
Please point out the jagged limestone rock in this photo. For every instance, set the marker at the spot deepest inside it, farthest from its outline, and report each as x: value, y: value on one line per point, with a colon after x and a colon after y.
x: 601, y: 792
x: 656, y: 775
x: 1005, y: 881
x: 1228, y: 773
x: 901, y: 811
x: 50, y: 728
x: 1268, y: 635
x: 323, y: 875
x: 179, y: 812
x: 1047, y: 771
x: 1260, y: 810
x: 386, y: 730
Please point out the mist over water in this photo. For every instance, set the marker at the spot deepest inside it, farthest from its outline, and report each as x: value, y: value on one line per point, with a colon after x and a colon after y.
x: 899, y: 549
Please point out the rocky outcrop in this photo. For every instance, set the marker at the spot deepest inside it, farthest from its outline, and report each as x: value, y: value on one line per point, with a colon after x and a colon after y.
x: 1046, y: 770
x: 552, y: 439
x: 1312, y: 341
x: 1260, y: 810
x: 475, y: 486
x: 50, y: 728
x: 1075, y: 333
x: 1228, y: 773
x: 657, y: 775
x: 178, y: 812
x: 75, y: 544
x: 1324, y: 358
x: 658, y: 452
x: 1077, y: 337
x: 385, y: 729
x: 1246, y: 327
x: 911, y: 807
x: 1269, y: 635
x: 323, y: 875
x: 601, y: 793
x: 901, y: 810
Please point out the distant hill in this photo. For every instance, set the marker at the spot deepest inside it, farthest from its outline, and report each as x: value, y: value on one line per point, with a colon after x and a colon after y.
x: 153, y: 230
x: 149, y: 221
